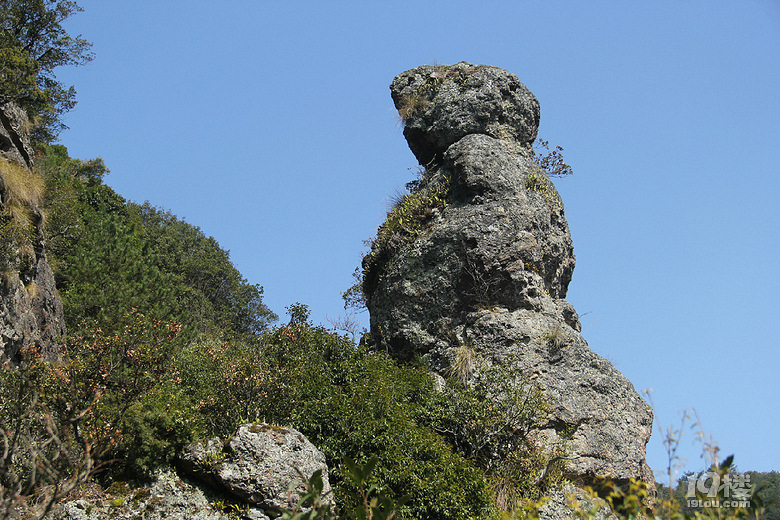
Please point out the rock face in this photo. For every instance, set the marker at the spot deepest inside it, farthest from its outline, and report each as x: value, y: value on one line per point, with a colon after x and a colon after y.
x: 14, y: 135
x: 257, y: 465
x: 468, y: 100
x: 480, y: 255
x: 168, y: 497
x: 30, y: 309
x: 249, y: 475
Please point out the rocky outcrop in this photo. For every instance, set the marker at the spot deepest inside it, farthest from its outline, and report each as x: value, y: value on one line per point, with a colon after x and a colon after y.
x: 167, y: 497
x: 259, y: 465
x: 253, y: 475
x: 480, y: 254
x: 31, y: 313
x: 14, y: 135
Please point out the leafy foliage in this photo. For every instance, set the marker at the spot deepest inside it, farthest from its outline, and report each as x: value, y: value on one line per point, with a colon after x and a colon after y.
x: 551, y: 161
x: 140, y: 415
x: 490, y: 415
x: 111, y: 256
x: 33, y: 43
x: 42, y: 453
x: 375, y: 504
x: 768, y: 487
x: 357, y: 404
x: 217, y: 296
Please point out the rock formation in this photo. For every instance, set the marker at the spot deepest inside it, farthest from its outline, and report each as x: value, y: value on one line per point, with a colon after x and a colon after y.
x: 167, y: 497
x: 30, y: 309
x: 259, y: 465
x: 480, y: 254
x: 14, y: 135
x: 252, y: 475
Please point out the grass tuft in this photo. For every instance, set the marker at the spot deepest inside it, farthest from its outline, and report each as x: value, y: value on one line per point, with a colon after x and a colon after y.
x: 22, y: 193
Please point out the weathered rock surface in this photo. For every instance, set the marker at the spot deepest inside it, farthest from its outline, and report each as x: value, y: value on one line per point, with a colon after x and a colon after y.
x: 563, y: 503
x: 468, y: 100
x: 257, y: 465
x: 248, y: 475
x: 14, y: 135
x: 492, y: 267
x: 167, y: 497
x: 30, y: 309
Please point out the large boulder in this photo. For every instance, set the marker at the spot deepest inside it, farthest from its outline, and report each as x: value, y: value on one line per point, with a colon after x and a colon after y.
x: 480, y: 254
x: 262, y: 465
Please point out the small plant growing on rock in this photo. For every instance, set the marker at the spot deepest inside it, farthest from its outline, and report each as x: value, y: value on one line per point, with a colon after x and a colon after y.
x: 464, y: 363
x: 492, y: 421
x: 555, y: 338
x: 405, y: 222
x: 551, y: 164
x: 537, y: 181
x: 551, y: 161
x: 413, y: 105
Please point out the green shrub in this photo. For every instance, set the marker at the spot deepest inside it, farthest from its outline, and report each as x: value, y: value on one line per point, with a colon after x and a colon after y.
x: 356, y: 404
x: 125, y: 379
x: 157, y: 426
x: 44, y: 457
x: 489, y: 415
x: 225, y: 380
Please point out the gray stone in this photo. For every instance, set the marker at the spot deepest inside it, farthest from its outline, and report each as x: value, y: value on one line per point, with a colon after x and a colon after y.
x: 440, y: 104
x: 14, y: 134
x: 168, y: 497
x: 492, y: 268
x: 565, y: 503
x: 259, y: 465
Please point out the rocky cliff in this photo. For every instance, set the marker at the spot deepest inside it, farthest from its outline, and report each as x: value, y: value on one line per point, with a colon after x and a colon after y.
x: 30, y: 309
x: 480, y: 255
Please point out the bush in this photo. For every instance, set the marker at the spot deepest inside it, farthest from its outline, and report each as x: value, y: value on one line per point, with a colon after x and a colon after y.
x: 138, y: 414
x: 489, y: 414
x: 157, y: 426
x: 225, y: 380
x: 356, y: 404
x: 43, y: 456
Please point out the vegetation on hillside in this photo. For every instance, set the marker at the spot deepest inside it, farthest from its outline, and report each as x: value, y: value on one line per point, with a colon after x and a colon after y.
x: 111, y: 256
x: 33, y: 43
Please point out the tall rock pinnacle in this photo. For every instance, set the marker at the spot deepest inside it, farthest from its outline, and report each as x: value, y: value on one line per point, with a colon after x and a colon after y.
x: 480, y: 254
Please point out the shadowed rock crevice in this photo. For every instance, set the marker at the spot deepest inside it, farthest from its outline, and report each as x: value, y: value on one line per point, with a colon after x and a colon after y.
x: 490, y: 266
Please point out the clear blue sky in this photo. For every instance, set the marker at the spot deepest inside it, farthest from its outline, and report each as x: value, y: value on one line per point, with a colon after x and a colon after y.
x: 270, y: 126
